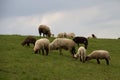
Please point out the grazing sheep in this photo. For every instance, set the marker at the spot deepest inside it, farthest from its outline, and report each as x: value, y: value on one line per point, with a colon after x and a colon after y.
x: 94, y: 36
x: 29, y: 40
x: 62, y: 35
x: 81, y: 53
x: 83, y: 40
x: 99, y: 54
x: 42, y: 44
x: 63, y: 43
x: 45, y: 30
x: 70, y: 35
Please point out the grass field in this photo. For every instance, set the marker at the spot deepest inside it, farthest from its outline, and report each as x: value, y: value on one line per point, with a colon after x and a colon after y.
x: 20, y: 63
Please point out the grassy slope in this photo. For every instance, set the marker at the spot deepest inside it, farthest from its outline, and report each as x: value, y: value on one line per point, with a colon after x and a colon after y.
x: 19, y: 63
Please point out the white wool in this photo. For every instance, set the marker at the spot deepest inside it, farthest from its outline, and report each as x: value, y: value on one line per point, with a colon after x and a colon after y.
x: 99, y: 54
x: 59, y: 42
x: 41, y: 43
x: 81, y: 53
x: 70, y: 35
x: 62, y: 43
x: 62, y: 35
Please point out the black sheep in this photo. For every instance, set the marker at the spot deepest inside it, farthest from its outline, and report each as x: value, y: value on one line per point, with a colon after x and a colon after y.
x: 29, y: 40
x: 79, y: 40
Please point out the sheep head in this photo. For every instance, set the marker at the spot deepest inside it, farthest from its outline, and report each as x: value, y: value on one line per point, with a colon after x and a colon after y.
x: 75, y: 56
x: 87, y: 58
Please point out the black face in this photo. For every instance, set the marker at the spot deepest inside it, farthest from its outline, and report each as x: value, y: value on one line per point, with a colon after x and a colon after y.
x: 36, y: 51
x: 23, y: 43
x: 87, y: 58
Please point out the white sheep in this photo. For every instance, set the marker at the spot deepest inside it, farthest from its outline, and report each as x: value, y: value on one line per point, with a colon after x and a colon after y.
x: 62, y: 35
x: 70, y: 35
x: 42, y: 44
x: 63, y: 43
x: 81, y: 53
x: 99, y: 54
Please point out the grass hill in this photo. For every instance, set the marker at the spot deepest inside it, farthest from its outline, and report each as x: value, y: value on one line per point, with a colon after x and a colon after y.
x: 20, y: 63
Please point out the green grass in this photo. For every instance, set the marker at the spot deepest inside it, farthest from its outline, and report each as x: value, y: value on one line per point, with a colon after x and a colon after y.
x: 20, y: 63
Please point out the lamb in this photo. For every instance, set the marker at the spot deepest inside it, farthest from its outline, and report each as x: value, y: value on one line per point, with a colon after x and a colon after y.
x: 42, y: 44
x: 29, y: 40
x: 83, y: 40
x: 63, y: 43
x: 45, y: 30
x: 99, y: 54
x: 81, y: 53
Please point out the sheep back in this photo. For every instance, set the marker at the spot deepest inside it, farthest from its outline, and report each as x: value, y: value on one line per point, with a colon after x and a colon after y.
x: 100, y: 54
x: 63, y: 43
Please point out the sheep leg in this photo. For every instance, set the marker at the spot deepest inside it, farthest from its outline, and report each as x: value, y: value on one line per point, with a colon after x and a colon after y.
x: 83, y: 59
x: 80, y: 58
x: 40, y: 33
x: 85, y: 46
x: 28, y: 44
x: 73, y: 51
x: 60, y: 50
x: 98, y: 61
x: 47, y: 51
x: 43, y: 35
x: 39, y: 51
x: 42, y: 51
x: 107, y: 61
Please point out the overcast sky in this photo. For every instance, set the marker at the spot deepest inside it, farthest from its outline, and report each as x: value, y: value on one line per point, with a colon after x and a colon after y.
x: 83, y: 17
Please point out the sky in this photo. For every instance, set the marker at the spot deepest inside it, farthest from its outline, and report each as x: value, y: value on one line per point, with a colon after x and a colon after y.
x: 82, y: 17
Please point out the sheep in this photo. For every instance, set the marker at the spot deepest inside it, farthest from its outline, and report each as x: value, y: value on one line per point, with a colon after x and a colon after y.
x: 81, y: 53
x: 99, y: 54
x: 83, y: 40
x: 29, y: 40
x: 45, y: 30
x: 92, y: 36
x: 63, y: 43
x: 65, y: 35
x: 42, y: 44
x: 62, y: 35
x: 70, y: 35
